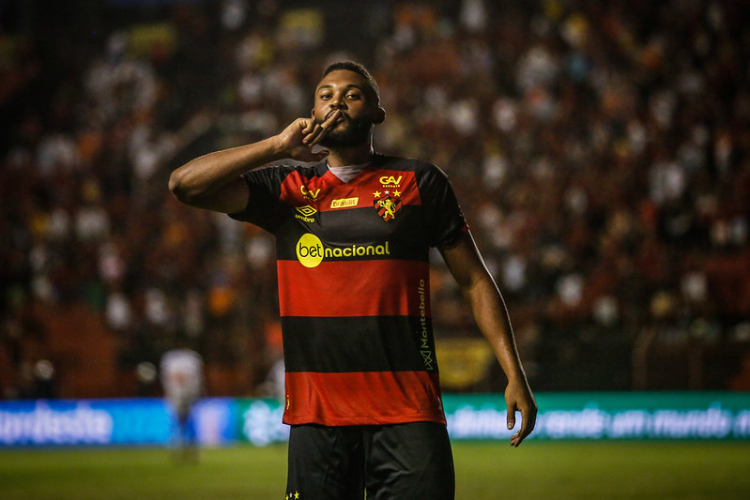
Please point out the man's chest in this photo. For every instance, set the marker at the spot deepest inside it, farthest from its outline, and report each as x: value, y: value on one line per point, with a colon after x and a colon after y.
x: 377, y: 205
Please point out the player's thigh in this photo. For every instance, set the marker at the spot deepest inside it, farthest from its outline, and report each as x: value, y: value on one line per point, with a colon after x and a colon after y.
x: 410, y: 461
x: 325, y: 463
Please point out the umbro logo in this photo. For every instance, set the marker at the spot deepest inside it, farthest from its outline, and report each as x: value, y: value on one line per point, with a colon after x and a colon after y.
x: 306, y: 210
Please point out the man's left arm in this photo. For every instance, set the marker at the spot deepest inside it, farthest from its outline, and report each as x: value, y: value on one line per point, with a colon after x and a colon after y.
x: 467, y: 267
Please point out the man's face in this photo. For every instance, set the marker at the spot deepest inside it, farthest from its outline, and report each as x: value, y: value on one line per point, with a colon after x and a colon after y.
x: 349, y: 92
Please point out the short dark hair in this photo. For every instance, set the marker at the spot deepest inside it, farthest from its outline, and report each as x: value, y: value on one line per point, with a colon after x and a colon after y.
x: 358, y: 68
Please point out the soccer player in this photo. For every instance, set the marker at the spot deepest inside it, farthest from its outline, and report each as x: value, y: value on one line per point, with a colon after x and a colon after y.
x: 353, y: 232
x: 181, y: 371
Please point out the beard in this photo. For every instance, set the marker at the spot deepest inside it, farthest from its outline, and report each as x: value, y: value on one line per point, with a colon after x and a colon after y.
x: 355, y: 133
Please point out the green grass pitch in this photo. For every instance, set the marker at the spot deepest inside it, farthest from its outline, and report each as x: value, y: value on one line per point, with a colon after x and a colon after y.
x: 484, y: 471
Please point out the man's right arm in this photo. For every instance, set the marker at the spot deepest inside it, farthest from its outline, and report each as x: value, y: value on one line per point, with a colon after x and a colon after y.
x: 214, y: 181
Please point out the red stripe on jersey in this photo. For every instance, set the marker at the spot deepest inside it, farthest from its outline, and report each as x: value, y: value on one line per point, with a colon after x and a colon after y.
x: 354, y: 288
x: 298, y: 190
x: 369, y: 398
x: 329, y: 193
x: 372, y: 184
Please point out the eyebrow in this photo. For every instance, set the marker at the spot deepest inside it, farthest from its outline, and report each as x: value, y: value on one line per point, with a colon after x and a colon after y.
x: 347, y: 87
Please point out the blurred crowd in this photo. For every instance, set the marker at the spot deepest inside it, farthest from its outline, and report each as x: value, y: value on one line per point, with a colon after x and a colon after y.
x: 601, y: 152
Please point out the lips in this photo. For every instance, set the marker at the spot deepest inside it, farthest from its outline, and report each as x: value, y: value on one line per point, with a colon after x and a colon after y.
x: 343, y: 116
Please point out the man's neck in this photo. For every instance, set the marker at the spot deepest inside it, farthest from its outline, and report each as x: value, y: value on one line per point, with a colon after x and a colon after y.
x: 341, y: 157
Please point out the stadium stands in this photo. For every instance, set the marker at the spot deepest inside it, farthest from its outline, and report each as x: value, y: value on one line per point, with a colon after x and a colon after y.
x: 602, y: 151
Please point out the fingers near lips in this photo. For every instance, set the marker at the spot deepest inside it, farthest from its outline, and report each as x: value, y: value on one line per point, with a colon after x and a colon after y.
x: 315, y: 131
x: 332, y: 119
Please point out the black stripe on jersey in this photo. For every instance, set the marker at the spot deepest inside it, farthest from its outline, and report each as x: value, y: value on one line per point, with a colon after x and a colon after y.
x: 358, y: 344
x: 362, y: 227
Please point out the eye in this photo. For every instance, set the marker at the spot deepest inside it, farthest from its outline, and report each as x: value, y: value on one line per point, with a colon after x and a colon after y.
x: 325, y: 96
x: 353, y: 95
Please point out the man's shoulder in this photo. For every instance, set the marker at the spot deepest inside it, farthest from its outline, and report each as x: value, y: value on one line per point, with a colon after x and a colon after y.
x: 400, y: 163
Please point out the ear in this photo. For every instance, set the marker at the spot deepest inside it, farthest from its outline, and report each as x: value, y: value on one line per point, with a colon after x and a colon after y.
x: 379, y: 116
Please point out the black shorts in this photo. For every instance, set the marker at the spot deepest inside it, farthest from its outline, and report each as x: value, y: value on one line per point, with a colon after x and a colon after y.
x: 391, y: 462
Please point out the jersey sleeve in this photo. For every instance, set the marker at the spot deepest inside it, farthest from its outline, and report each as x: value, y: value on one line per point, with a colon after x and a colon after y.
x: 446, y: 222
x: 263, y: 205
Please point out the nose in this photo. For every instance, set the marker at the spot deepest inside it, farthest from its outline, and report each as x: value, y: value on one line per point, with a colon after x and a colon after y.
x: 338, y: 103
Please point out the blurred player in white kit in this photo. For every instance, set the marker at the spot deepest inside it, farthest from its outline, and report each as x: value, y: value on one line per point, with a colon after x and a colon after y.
x: 182, y: 379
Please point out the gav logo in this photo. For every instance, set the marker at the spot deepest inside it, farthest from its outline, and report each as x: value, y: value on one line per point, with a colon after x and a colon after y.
x: 311, y: 251
x: 308, y: 193
x: 390, y: 180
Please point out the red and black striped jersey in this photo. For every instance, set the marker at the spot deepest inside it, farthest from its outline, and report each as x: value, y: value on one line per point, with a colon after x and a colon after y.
x: 353, y: 271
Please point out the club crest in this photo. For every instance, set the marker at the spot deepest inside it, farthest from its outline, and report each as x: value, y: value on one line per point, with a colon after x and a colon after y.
x: 387, y: 204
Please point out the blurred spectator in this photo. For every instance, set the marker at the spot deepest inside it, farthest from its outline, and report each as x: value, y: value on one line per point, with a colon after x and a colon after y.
x: 606, y: 148
x: 181, y: 374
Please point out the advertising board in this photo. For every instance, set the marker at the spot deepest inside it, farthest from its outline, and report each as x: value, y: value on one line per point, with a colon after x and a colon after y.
x: 223, y: 421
